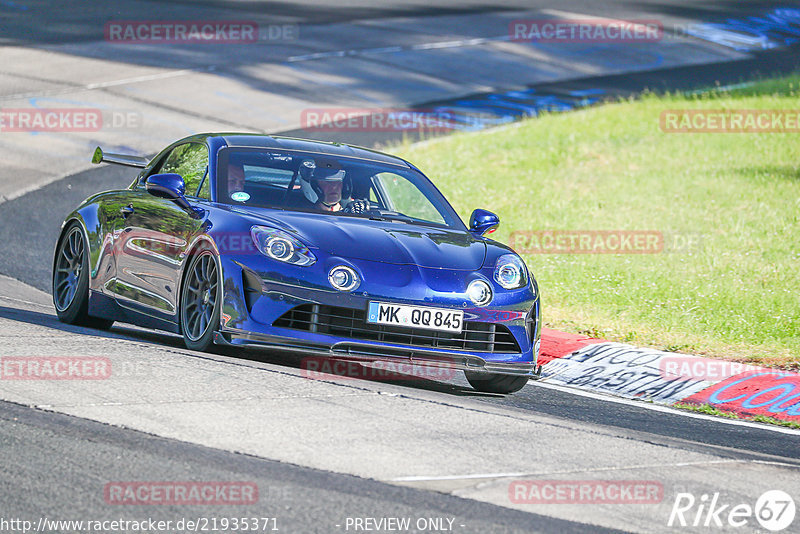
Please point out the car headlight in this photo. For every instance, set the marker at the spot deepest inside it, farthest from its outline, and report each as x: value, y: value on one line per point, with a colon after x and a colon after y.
x: 479, y: 292
x: 510, y: 272
x: 280, y: 246
x: 343, y: 278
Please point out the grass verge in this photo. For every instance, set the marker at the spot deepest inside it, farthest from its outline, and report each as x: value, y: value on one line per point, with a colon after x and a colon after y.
x: 727, y: 205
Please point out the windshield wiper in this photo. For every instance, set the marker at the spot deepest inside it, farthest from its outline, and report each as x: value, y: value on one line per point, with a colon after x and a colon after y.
x: 388, y: 215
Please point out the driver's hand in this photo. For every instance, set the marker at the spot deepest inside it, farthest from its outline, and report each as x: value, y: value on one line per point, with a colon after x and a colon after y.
x: 357, y: 206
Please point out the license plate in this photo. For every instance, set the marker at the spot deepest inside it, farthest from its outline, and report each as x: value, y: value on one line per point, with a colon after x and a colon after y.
x: 415, y: 316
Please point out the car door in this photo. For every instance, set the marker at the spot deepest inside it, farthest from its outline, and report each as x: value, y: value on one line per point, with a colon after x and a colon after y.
x: 156, y: 233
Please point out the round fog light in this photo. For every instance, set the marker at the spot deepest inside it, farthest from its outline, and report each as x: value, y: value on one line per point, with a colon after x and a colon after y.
x: 479, y: 292
x: 343, y: 278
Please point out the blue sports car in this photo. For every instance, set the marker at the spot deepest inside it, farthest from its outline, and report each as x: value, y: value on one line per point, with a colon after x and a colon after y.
x: 323, y: 248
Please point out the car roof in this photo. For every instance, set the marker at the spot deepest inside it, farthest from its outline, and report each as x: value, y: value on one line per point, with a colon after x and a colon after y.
x: 306, y: 145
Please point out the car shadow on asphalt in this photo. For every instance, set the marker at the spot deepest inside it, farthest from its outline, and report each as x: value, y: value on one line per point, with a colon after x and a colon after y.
x: 322, y: 368
x: 332, y: 373
x: 50, y: 320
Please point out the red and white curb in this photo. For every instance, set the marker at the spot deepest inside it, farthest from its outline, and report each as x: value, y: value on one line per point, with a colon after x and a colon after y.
x: 667, y: 377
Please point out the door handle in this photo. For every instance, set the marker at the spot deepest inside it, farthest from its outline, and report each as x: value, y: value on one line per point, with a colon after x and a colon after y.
x: 127, y: 211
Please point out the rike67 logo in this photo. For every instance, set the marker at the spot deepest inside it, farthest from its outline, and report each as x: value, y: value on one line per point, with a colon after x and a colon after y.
x: 774, y: 510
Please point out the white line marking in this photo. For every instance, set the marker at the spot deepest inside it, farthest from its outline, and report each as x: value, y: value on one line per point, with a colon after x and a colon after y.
x: 38, y: 305
x: 457, y: 477
x: 394, y: 49
x: 199, y: 401
x: 723, y: 88
x: 317, y: 55
x: 39, y: 185
x: 145, y: 78
x: 571, y: 15
x: 664, y: 409
x: 422, y: 478
x: 110, y: 83
x: 384, y: 50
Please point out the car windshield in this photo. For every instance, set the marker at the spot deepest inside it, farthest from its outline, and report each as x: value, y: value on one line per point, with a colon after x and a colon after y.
x: 296, y: 181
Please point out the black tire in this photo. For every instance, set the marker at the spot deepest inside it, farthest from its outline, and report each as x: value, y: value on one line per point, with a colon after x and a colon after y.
x: 71, y: 281
x: 200, y: 301
x: 495, y: 383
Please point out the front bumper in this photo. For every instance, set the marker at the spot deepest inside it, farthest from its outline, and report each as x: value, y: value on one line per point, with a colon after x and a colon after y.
x: 255, y: 300
x: 367, y: 352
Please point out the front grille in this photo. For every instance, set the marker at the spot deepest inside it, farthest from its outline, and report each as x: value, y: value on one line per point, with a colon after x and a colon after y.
x: 351, y: 323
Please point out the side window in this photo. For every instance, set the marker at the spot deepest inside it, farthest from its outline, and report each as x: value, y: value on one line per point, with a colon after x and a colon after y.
x: 205, y: 189
x: 191, y: 162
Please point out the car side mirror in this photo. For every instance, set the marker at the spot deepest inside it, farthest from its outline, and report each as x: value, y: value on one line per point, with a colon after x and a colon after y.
x: 483, y: 222
x: 172, y: 187
x: 169, y: 186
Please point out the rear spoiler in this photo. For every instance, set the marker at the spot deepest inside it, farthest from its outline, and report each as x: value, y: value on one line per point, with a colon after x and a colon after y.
x: 119, y: 159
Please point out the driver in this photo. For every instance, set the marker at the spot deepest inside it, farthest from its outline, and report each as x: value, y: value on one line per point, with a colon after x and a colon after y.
x: 325, y: 184
x: 236, y: 177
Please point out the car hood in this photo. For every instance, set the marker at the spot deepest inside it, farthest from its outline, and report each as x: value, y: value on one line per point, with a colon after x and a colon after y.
x: 393, y: 242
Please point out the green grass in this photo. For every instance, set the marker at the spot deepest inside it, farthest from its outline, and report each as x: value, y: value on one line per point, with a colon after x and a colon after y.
x: 706, y: 409
x: 710, y: 410
x: 610, y: 167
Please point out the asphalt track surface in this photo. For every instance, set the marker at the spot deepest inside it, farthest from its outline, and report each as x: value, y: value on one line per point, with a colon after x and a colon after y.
x: 307, y: 500
x: 667, y: 427
x: 43, y: 21
x: 302, y: 500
